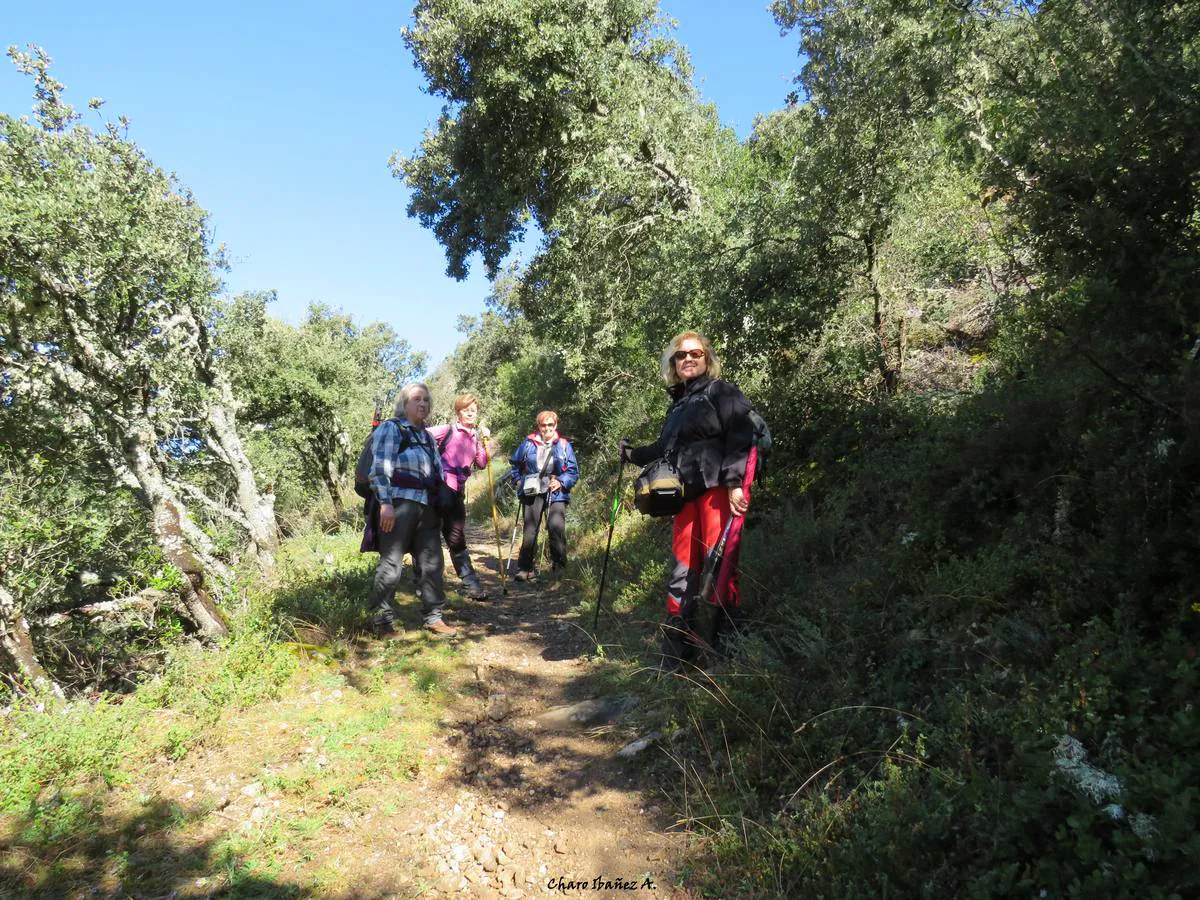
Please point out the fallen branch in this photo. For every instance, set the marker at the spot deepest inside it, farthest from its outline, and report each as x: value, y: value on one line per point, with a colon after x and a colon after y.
x: 150, y: 598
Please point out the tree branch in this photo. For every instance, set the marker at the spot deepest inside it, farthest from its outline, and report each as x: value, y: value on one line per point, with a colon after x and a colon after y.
x: 148, y: 599
x: 194, y: 493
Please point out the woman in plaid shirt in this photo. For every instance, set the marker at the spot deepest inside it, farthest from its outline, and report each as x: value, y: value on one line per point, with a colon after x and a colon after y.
x: 406, y: 472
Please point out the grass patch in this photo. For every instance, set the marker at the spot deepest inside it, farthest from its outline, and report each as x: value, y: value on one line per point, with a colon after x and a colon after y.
x: 44, y: 756
x: 84, y: 793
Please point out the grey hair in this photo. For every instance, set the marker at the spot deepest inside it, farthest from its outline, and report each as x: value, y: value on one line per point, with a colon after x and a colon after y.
x: 407, y: 391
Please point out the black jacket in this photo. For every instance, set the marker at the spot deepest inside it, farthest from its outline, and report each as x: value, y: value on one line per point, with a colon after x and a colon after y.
x: 714, y: 437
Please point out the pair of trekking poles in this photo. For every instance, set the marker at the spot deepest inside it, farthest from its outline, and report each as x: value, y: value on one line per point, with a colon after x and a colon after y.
x: 708, y: 575
x: 501, y: 563
x: 712, y: 561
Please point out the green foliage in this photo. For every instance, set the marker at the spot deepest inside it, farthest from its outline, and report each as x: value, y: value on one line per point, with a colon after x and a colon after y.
x: 253, y: 667
x: 539, y: 97
x: 107, y: 270
x: 956, y: 275
x: 51, y: 761
x: 107, y: 282
x: 64, y: 543
x: 308, y: 392
x: 52, y: 532
x: 323, y: 580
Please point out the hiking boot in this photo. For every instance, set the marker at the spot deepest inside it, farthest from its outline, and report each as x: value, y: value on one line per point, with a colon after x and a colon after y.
x: 440, y: 628
x: 730, y: 625
x: 524, y: 575
x: 677, y: 647
x: 385, y: 631
x: 472, y: 588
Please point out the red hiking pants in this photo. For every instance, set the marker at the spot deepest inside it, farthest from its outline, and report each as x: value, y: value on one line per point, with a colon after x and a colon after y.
x: 696, y: 530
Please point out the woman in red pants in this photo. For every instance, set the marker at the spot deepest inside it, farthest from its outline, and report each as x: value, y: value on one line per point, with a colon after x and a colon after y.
x: 713, y: 435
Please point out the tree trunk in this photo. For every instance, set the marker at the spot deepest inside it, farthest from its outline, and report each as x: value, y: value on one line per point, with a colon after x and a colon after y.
x: 14, y: 636
x: 330, y: 475
x: 258, y: 509
x: 171, y: 524
x: 890, y: 372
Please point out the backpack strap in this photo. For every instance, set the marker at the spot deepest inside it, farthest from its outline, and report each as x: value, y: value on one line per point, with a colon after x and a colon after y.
x: 406, y: 439
x: 551, y: 459
x: 365, y: 454
x: 362, y: 469
x: 441, y: 445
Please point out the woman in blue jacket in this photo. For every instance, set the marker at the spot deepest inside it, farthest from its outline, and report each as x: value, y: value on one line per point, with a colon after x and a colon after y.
x: 544, y: 470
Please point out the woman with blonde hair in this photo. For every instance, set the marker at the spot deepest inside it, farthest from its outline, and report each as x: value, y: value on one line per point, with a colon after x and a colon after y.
x: 463, y: 445
x: 406, y: 477
x: 709, y: 433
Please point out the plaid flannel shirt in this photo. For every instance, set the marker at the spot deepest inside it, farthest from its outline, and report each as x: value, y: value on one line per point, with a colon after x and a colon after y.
x: 407, y: 475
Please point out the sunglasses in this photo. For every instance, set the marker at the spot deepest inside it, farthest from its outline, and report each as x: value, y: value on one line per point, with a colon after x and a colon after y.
x: 681, y: 355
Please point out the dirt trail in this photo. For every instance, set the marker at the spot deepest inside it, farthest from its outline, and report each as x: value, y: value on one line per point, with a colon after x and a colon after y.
x: 520, y: 790
x: 536, y: 743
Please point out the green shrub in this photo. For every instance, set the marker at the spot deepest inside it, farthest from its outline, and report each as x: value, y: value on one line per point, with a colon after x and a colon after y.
x: 251, y: 668
x: 53, y: 754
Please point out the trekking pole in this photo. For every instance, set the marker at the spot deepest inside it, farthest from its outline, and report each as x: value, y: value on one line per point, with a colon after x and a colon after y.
x: 612, y: 524
x: 520, y: 517
x: 708, y: 574
x: 543, y: 547
x: 495, y: 518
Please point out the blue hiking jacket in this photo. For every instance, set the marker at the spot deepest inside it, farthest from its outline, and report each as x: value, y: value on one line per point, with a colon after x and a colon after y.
x: 565, y: 467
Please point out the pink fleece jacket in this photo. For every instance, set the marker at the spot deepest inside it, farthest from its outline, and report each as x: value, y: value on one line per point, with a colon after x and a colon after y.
x: 462, y: 450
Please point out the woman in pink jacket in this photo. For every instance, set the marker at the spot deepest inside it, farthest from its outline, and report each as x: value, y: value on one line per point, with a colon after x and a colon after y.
x: 463, y: 446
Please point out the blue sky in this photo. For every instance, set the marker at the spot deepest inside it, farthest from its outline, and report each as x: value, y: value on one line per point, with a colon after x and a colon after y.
x: 280, y: 117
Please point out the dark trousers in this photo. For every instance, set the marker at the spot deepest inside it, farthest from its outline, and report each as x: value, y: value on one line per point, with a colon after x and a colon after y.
x: 556, y: 526
x: 453, y: 520
x: 454, y: 530
x: 415, y: 532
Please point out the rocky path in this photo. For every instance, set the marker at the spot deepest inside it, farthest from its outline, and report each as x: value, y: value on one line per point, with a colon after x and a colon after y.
x: 547, y: 792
